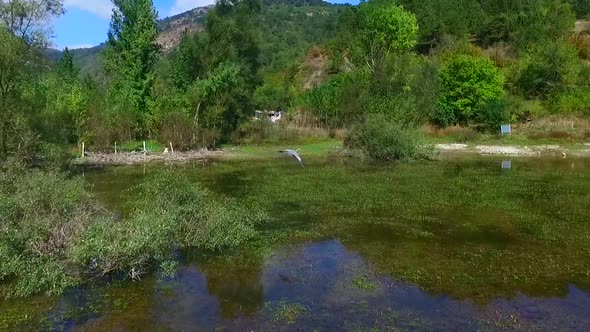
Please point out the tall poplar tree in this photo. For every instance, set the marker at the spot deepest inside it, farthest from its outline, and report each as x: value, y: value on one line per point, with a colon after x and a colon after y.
x: 131, y: 55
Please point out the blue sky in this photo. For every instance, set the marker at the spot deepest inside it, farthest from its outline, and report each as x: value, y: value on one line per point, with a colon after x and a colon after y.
x: 86, y: 22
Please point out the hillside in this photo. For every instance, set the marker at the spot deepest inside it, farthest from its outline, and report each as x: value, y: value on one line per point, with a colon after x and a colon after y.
x: 289, y: 28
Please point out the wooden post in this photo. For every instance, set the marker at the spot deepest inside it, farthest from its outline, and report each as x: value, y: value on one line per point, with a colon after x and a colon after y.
x: 171, y: 148
x: 144, y: 149
x: 115, y: 148
x: 83, y: 150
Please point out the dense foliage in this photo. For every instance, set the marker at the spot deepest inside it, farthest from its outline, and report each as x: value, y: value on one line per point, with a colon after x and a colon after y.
x: 130, y: 57
x: 468, y: 85
x: 415, y: 62
x: 54, y: 234
x: 383, y: 139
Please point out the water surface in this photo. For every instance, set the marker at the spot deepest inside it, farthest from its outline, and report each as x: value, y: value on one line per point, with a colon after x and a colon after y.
x: 450, y: 245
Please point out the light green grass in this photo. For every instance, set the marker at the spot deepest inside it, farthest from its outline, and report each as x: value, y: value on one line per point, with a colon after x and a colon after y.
x: 317, y: 148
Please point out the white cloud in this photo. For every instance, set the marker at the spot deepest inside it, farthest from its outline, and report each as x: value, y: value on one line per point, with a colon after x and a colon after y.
x: 101, y: 8
x: 181, y: 6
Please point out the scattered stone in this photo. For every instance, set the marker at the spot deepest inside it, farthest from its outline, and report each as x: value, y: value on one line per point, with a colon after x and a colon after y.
x: 452, y: 147
x: 505, y: 150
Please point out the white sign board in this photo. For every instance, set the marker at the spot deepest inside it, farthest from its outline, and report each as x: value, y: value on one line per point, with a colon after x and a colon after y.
x: 506, y: 129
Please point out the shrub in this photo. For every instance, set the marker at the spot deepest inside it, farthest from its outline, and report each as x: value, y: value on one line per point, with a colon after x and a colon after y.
x: 526, y: 110
x: 468, y: 85
x: 493, y: 115
x: 170, y: 212
x: 40, y: 216
x: 575, y: 101
x: 176, y: 128
x: 258, y: 132
x: 53, y: 234
x: 550, y: 69
x: 383, y: 139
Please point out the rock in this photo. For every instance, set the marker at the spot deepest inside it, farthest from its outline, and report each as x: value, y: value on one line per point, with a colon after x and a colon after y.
x: 504, y: 150
x: 451, y: 147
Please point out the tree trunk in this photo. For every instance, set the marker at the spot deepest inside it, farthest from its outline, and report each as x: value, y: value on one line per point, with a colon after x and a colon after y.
x: 196, y: 123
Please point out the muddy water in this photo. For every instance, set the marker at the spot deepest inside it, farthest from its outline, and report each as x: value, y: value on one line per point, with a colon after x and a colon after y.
x: 470, y: 245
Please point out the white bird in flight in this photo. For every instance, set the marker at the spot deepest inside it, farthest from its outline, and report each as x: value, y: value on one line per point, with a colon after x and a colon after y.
x: 294, y: 154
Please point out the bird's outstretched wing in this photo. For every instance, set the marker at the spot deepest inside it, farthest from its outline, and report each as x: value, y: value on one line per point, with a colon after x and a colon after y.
x: 295, y: 155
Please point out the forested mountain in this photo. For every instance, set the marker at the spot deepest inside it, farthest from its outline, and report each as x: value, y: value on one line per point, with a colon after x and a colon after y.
x: 288, y: 26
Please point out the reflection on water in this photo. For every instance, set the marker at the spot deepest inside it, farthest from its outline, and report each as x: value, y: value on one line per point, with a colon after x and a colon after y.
x: 317, y: 286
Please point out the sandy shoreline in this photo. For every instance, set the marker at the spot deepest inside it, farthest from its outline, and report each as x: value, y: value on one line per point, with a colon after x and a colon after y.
x: 515, y: 151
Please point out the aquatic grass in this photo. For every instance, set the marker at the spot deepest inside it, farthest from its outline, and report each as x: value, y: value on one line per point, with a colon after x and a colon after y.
x: 362, y: 282
x: 55, y: 235
x: 168, y: 213
x: 465, y: 228
x: 315, y: 147
x: 287, y: 312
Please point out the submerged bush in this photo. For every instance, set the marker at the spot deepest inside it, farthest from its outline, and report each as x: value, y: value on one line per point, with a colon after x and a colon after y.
x: 169, y: 213
x: 54, y: 234
x: 40, y: 214
x: 383, y: 139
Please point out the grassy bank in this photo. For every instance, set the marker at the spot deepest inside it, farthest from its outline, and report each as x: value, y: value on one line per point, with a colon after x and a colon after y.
x: 569, y: 132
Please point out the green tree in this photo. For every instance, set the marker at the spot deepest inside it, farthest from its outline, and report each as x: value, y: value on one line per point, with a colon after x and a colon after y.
x: 189, y: 60
x: 581, y: 7
x: 468, y: 85
x: 550, y: 68
x: 66, y: 103
x: 29, y: 20
x: 387, y: 28
x: 274, y: 94
x: 131, y: 54
x: 437, y: 18
x: 527, y: 23
x: 24, y: 27
x: 66, y: 67
x: 219, y: 99
x: 234, y: 35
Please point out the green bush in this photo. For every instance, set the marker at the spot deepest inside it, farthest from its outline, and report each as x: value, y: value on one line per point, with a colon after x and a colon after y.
x: 41, y: 215
x: 54, y: 234
x: 493, y: 115
x: 575, y: 101
x: 468, y: 85
x: 170, y: 212
x: 383, y: 139
x: 550, y: 69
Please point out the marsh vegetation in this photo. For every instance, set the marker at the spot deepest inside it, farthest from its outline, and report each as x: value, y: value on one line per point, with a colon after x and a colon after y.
x: 335, y: 238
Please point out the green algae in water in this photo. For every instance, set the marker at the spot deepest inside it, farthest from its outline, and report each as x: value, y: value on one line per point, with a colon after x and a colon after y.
x: 466, y: 230
x: 462, y: 227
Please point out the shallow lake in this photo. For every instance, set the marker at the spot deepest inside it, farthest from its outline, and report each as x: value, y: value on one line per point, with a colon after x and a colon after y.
x: 465, y: 244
